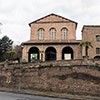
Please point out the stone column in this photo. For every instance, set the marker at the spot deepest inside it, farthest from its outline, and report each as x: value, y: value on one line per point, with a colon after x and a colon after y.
x: 42, y: 55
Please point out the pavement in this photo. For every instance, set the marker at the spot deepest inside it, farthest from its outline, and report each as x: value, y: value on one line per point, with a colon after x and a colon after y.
x: 51, y: 94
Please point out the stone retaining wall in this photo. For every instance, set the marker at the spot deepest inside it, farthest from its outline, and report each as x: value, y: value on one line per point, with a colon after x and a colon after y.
x: 47, y: 76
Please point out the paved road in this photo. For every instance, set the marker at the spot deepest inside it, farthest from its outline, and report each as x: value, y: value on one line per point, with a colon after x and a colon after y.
x: 12, y: 96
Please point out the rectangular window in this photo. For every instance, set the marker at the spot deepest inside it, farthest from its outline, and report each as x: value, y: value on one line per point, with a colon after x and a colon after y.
x: 97, y: 50
x: 98, y: 38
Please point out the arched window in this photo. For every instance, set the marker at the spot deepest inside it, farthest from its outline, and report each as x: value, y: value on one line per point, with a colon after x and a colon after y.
x: 41, y: 34
x: 52, y: 33
x: 64, y: 34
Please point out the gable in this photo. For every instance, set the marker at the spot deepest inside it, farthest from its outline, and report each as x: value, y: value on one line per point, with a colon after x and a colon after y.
x: 52, y: 18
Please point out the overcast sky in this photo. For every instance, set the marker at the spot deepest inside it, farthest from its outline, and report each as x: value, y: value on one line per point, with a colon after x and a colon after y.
x: 15, y: 15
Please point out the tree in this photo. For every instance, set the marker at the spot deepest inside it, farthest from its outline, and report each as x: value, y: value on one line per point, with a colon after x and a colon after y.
x: 86, y: 44
x: 11, y: 54
x: 5, y: 45
x: 15, y: 53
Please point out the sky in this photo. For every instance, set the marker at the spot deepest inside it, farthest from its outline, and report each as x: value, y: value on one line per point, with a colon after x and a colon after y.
x: 15, y: 15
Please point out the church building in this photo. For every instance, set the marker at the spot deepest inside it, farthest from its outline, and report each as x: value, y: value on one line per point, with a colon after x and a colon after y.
x: 52, y: 37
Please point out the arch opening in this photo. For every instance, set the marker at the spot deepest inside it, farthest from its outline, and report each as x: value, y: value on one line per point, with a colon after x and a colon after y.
x: 50, y: 54
x: 67, y: 53
x: 33, y: 54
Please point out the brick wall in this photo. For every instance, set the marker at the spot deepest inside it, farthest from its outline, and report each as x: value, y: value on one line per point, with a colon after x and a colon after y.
x: 89, y: 33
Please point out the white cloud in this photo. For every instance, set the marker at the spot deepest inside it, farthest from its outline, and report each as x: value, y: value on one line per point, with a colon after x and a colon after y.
x: 16, y: 14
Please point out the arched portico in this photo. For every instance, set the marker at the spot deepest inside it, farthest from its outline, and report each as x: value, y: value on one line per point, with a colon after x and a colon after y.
x: 50, y: 54
x: 67, y: 53
x: 33, y: 54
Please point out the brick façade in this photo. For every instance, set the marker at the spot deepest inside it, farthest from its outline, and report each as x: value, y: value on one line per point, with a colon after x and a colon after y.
x: 70, y: 44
